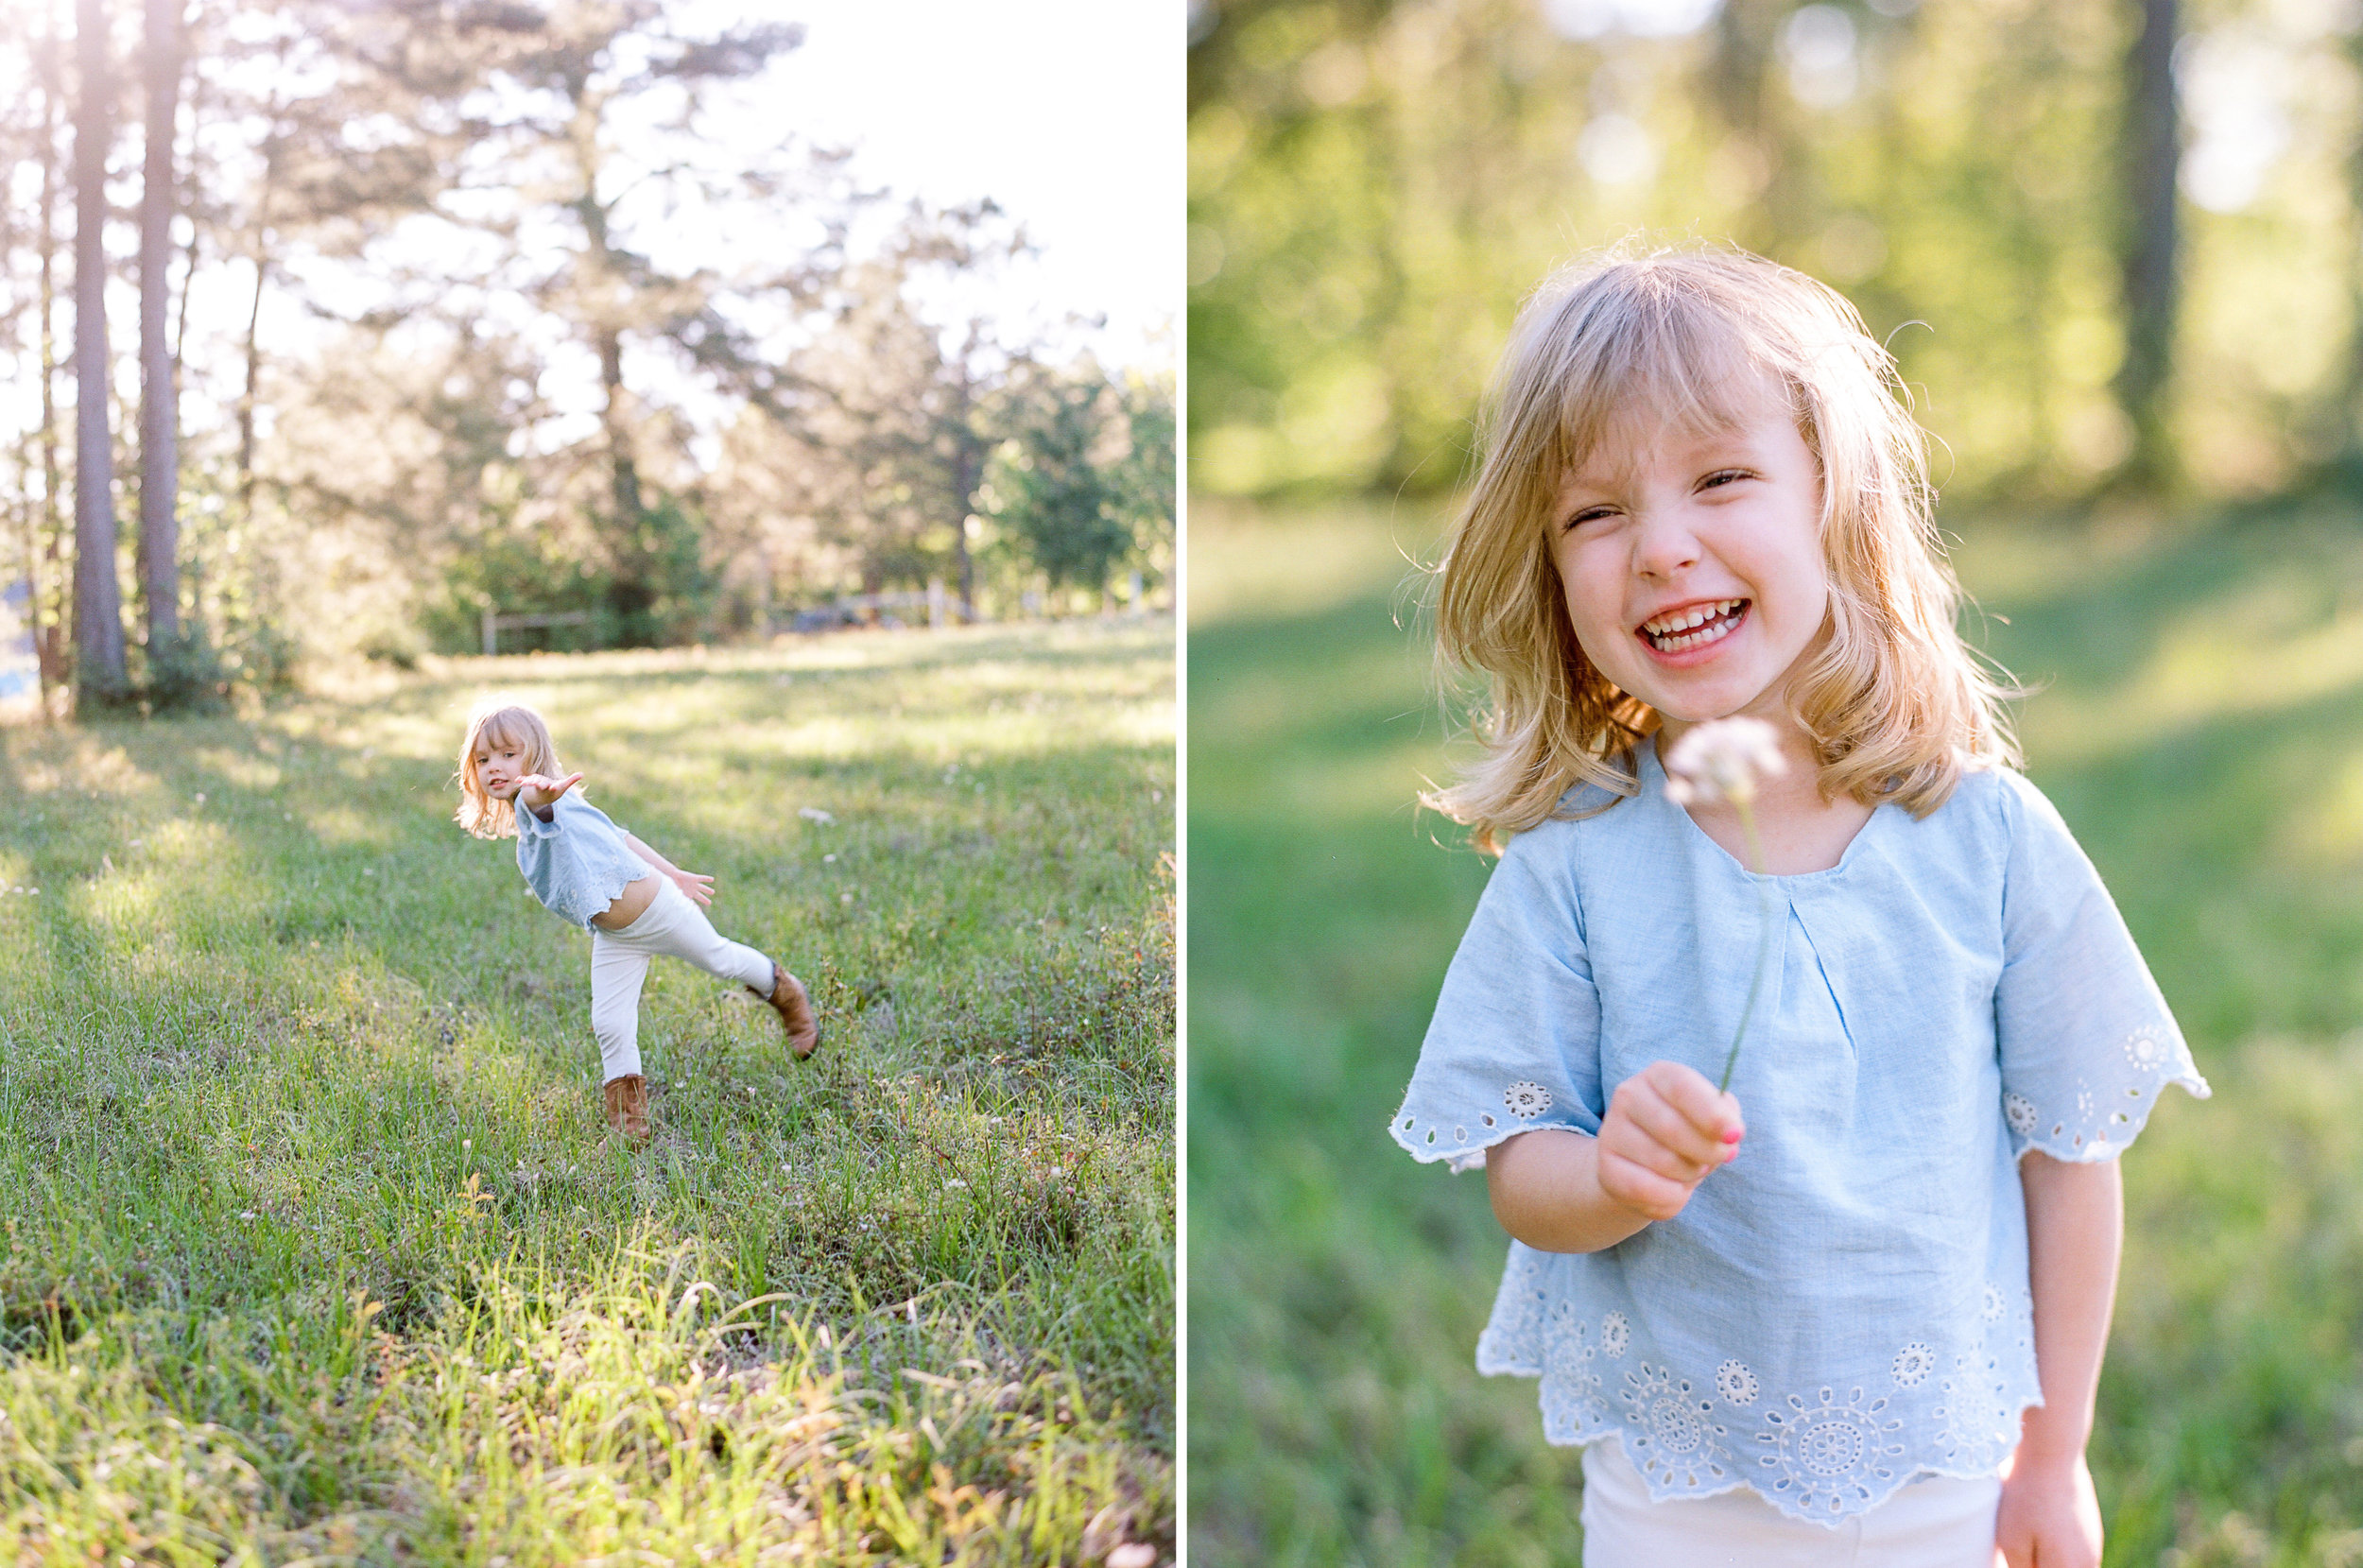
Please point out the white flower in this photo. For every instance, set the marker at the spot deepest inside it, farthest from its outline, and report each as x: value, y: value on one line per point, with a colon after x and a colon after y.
x: 1526, y: 1100
x: 1994, y: 1306
x: 813, y: 814
x: 1912, y: 1365
x: 2146, y: 1046
x: 1616, y: 1333
x: 2019, y: 1112
x: 1735, y: 1383
x: 1722, y: 761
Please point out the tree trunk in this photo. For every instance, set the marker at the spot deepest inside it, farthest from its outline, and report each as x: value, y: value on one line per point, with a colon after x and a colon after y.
x: 160, y: 457
x: 2150, y: 156
x: 612, y: 415
x: 49, y: 642
x: 254, y: 312
x: 98, y: 673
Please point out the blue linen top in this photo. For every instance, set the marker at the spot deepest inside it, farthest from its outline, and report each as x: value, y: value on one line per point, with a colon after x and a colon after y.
x: 576, y: 862
x: 1845, y: 1306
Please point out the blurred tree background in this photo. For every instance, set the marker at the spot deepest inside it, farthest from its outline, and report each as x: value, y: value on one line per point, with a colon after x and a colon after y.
x: 460, y: 307
x: 2116, y: 247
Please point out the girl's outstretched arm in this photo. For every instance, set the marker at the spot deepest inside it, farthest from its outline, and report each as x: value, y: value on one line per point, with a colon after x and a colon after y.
x: 1561, y: 1191
x: 539, y: 793
x: 698, y: 885
x: 2051, y: 1517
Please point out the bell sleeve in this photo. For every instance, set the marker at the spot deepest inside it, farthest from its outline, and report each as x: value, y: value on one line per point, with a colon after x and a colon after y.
x: 1515, y: 1043
x: 2085, y: 1041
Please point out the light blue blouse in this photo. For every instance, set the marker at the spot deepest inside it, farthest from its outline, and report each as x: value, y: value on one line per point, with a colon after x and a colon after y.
x: 1844, y: 1307
x: 577, y: 863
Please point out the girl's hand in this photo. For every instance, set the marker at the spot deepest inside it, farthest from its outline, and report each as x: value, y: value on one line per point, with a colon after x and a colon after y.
x: 2051, y: 1517
x: 1667, y: 1130
x: 696, y: 884
x: 537, y: 791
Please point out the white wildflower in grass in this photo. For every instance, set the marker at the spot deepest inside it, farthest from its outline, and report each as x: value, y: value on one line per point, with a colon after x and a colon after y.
x: 1723, y: 760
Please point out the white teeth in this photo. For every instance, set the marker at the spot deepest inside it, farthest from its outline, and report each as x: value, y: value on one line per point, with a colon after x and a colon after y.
x: 1668, y: 631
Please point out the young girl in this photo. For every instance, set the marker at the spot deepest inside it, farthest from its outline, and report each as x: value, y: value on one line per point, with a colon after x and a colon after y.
x: 589, y: 872
x: 1864, y: 1324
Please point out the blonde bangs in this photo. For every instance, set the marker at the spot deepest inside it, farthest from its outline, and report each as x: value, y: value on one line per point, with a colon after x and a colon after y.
x: 1894, y: 700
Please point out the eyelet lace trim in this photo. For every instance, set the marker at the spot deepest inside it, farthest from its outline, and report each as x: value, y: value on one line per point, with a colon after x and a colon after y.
x: 2096, y: 1123
x: 1824, y: 1452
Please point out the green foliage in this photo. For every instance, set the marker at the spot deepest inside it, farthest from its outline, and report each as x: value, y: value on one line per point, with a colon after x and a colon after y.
x: 1143, y: 478
x: 316, y: 1247
x: 1054, y: 487
x: 661, y: 591
x: 1374, y: 185
x: 2198, y: 725
x: 180, y: 673
x: 657, y: 592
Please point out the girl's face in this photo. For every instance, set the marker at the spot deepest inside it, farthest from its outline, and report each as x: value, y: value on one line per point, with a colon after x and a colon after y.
x: 1693, y: 565
x: 499, y: 765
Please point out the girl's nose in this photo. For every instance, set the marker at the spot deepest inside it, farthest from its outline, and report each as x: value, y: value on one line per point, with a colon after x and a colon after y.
x: 1664, y: 545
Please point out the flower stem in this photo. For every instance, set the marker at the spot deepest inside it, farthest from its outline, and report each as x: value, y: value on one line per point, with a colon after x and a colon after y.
x: 1764, y: 939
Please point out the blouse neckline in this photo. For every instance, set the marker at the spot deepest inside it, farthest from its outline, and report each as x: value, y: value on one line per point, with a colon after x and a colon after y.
x: 1653, y: 789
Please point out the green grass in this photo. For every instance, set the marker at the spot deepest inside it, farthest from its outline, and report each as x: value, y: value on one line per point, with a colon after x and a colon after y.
x: 316, y: 1248
x: 2201, y: 725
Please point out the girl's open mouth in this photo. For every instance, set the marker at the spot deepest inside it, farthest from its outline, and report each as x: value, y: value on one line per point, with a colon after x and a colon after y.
x: 1694, y: 626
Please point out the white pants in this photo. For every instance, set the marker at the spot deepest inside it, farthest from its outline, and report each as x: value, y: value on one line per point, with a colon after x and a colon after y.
x: 1936, y: 1522
x: 619, y: 962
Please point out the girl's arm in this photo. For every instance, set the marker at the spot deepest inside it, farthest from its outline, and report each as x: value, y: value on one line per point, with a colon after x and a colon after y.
x: 2051, y: 1517
x: 540, y: 793
x: 1561, y: 1191
x: 699, y: 887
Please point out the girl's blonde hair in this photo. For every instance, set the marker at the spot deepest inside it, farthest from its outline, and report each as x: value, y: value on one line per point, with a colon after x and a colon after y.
x: 1894, y: 702
x: 501, y: 723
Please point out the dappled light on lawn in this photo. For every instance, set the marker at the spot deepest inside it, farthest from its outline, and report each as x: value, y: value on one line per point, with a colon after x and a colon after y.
x: 324, y: 1250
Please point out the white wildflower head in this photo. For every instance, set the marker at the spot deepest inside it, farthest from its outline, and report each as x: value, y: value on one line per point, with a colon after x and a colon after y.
x: 1722, y: 760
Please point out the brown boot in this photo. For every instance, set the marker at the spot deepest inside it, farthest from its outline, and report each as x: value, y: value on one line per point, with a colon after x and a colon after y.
x: 628, y: 1105
x: 788, y: 1000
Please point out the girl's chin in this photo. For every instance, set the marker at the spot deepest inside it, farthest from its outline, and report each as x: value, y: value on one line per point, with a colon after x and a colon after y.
x: 1699, y: 705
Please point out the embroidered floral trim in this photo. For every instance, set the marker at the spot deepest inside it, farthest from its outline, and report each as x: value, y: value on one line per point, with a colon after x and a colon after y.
x: 1994, y: 1306
x: 1675, y: 1440
x: 2145, y: 1048
x: 1526, y: 1100
x: 2084, y: 1122
x: 1829, y: 1453
x: 1823, y: 1456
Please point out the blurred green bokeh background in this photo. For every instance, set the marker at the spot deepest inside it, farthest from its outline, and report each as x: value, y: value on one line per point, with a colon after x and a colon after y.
x: 2148, y: 457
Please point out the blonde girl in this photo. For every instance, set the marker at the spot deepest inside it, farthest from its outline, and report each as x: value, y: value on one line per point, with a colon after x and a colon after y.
x: 1863, y: 1322
x: 589, y: 872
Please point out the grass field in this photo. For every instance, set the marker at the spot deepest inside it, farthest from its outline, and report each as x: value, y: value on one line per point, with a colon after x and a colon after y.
x: 316, y: 1250
x: 2200, y: 724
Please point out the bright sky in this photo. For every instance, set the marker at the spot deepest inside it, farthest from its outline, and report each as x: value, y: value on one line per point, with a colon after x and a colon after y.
x: 1067, y: 112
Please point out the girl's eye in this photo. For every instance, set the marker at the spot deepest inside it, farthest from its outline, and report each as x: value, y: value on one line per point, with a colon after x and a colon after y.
x: 1722, y: 476
x: 1589, y: 514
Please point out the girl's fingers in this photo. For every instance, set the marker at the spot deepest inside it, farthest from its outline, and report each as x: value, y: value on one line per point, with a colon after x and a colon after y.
x: 1641, y: 1189
x: 1667, y: 1127
x: 1713, y: 1113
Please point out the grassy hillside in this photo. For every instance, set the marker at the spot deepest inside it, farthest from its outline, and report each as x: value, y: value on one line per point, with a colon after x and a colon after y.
x: 318, y: 1249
